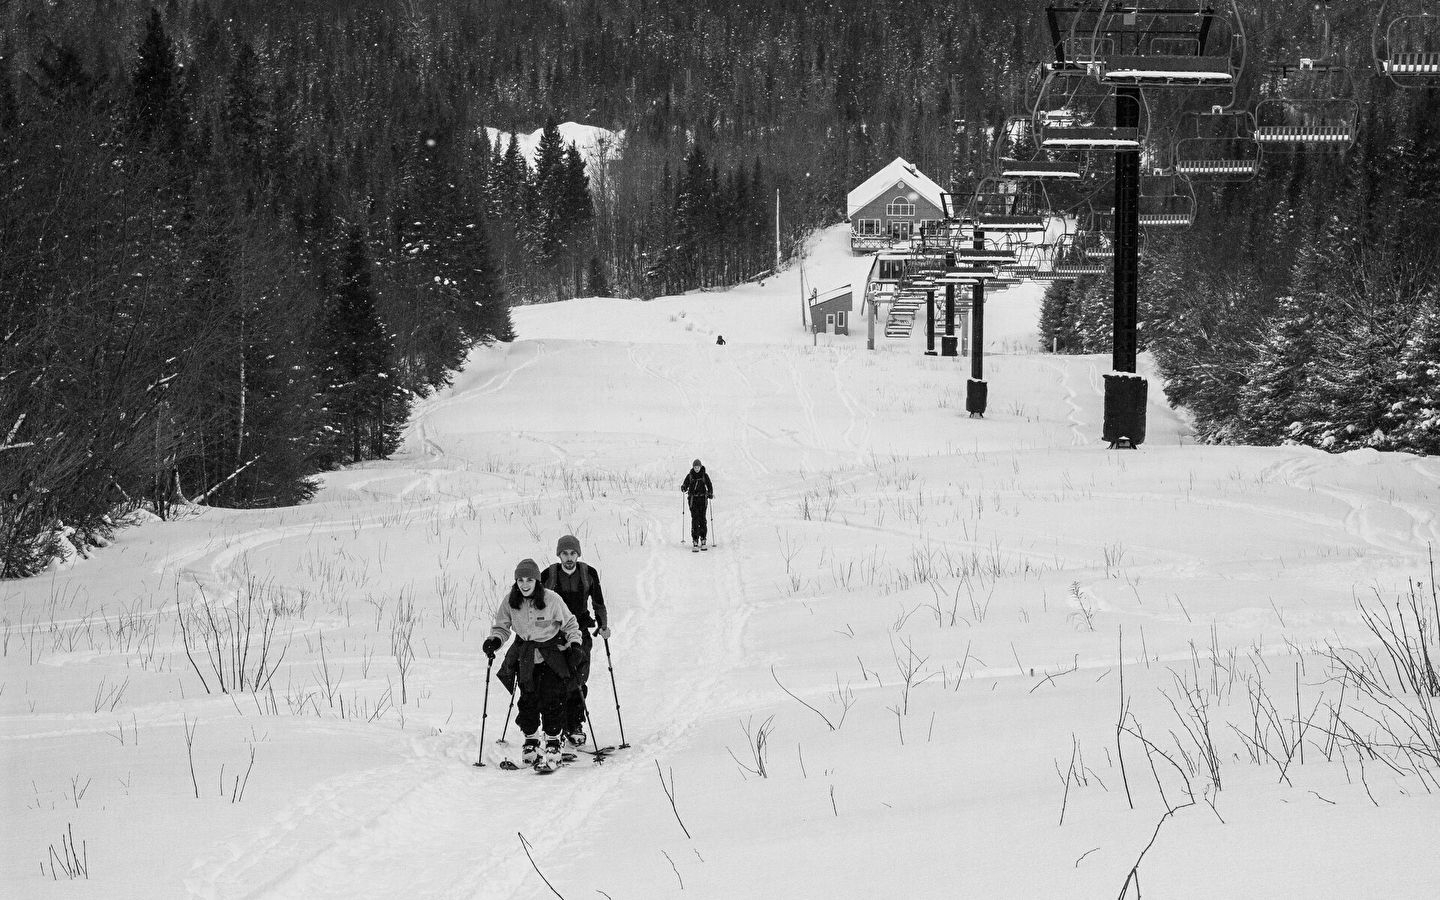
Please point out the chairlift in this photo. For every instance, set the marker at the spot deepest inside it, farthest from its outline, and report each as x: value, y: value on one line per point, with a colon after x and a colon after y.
x: 1172, y: 45
x: 1018, y: 154
x: 1029, y: 259
x: 1075, y: 112
x: 1309, y: 105
x: 1167, y: 200
x: 1005, y: 205
x: 1217, y: 146
x: 1072, y: 260
x: 1407, y: 46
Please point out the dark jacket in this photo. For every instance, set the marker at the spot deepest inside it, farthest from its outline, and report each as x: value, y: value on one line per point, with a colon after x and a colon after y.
x: 697, y: 484
x: 579, y: 591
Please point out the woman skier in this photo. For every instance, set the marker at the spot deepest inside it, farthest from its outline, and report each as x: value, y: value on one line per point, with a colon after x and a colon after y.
x: 542, y: 662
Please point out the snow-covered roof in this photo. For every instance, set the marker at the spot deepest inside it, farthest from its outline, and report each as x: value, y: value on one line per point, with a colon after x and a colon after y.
x: 831, y: 294
x: 886, y: 179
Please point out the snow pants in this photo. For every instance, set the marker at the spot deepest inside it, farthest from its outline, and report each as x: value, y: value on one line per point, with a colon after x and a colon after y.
x: 698, y: 527
x: 543, y: 700
x: 575, y: 700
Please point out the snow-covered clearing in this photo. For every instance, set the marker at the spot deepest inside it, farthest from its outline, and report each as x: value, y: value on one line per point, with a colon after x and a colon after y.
x: 913, y: 622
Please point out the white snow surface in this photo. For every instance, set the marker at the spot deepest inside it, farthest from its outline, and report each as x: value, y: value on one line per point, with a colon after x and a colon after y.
x: 946, y: 601
x: 596, y: 145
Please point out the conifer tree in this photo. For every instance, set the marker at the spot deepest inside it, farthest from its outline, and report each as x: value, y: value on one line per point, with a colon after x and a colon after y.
x: 596, y: 284
x: 245, y: 115
x: 354, y: 363
x: 550, y: 219
x: 1412, y: 421
x: 1057, y: 319
x: 157, y: 111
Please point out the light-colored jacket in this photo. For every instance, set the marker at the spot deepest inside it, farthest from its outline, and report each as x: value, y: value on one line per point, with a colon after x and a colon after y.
x: 538, y: 625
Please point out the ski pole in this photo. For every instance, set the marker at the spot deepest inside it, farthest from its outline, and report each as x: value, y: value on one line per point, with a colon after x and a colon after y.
x: 710, y: 508
x: 501, y: 739
x: 485, y: 714
x: 683, y: 506
x: 594, y: 742
x: 611, y: 666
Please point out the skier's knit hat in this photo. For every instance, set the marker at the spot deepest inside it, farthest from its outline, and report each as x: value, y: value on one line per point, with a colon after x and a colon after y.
x: 695, y: 463
x: 527, y: 569
x: 567, y: 542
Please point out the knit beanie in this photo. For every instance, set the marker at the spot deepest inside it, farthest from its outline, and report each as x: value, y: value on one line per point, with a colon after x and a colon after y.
x: 695, y: 463
x: 567, y: 542
x: 527, y: 569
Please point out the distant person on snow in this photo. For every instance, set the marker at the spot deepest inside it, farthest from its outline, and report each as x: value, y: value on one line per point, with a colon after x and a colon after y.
x: 542, y: 661
x: 720, y: 339
x: 698, y: 488
x: 578, y: 584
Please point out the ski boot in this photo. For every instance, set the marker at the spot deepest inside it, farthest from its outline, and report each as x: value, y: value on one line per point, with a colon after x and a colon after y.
x: 576, y: 738
x: 702, y: 544
x: 552, y: 759
x: 695, y: 547
x: 530, y: 751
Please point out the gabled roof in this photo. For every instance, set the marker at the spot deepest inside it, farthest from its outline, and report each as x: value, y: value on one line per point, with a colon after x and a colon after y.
x: 886, y: 179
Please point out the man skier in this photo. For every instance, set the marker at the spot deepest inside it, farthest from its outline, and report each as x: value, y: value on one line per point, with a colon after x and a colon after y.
x: 578, y: 584
x: 541, y: 663
x: 698, y: 488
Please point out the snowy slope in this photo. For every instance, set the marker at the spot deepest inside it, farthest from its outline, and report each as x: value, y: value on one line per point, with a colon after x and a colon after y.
x: 926, y: 615
x: 597, y: 145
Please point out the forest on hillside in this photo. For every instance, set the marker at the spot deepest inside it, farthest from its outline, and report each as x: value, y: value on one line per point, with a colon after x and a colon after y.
x: 239, y: 237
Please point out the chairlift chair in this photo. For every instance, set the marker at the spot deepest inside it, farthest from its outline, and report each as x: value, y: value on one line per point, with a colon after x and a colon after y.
x: 1406, y: 43
x: 1005, y: 205
x: 1167, y: 200
x: 1307, y: 107
x: 1217, y: 146
x: 1170, y: 44
x: 1075, y: 112
x: 1018, y: 154
x: 1071, y: 259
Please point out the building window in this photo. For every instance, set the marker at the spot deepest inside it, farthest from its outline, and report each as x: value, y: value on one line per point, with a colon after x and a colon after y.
x: 900, y: 231
x: 900, y: 207
x: 931, y: 227
x: 869, y: 227
x: 890, y: 269
x: 840, y: 319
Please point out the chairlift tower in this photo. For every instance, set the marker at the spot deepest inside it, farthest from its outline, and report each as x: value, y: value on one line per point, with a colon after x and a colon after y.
x: 1107, y: 54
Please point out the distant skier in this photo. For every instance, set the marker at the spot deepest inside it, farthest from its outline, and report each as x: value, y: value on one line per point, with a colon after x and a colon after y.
x: 720, y: 339
x: 541, y: 663
x: 578, y: 584
x: 698, y: 488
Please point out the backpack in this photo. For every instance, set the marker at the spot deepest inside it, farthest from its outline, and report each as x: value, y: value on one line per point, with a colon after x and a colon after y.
x: 551, y: 578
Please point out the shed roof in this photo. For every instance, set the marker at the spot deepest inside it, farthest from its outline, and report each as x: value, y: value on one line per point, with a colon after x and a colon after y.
x: 832, y: 294
x: 886, y: 179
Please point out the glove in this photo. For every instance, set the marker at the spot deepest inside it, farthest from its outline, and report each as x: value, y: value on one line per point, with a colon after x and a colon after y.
x: 491, y: 645
x: 603, y: 632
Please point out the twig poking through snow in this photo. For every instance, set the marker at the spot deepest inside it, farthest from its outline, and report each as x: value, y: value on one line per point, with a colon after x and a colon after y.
x: 670, y: 795
x: 526, y: 846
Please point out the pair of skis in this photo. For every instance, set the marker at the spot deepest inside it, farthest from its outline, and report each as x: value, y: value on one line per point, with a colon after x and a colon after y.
x: 567, y: 757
